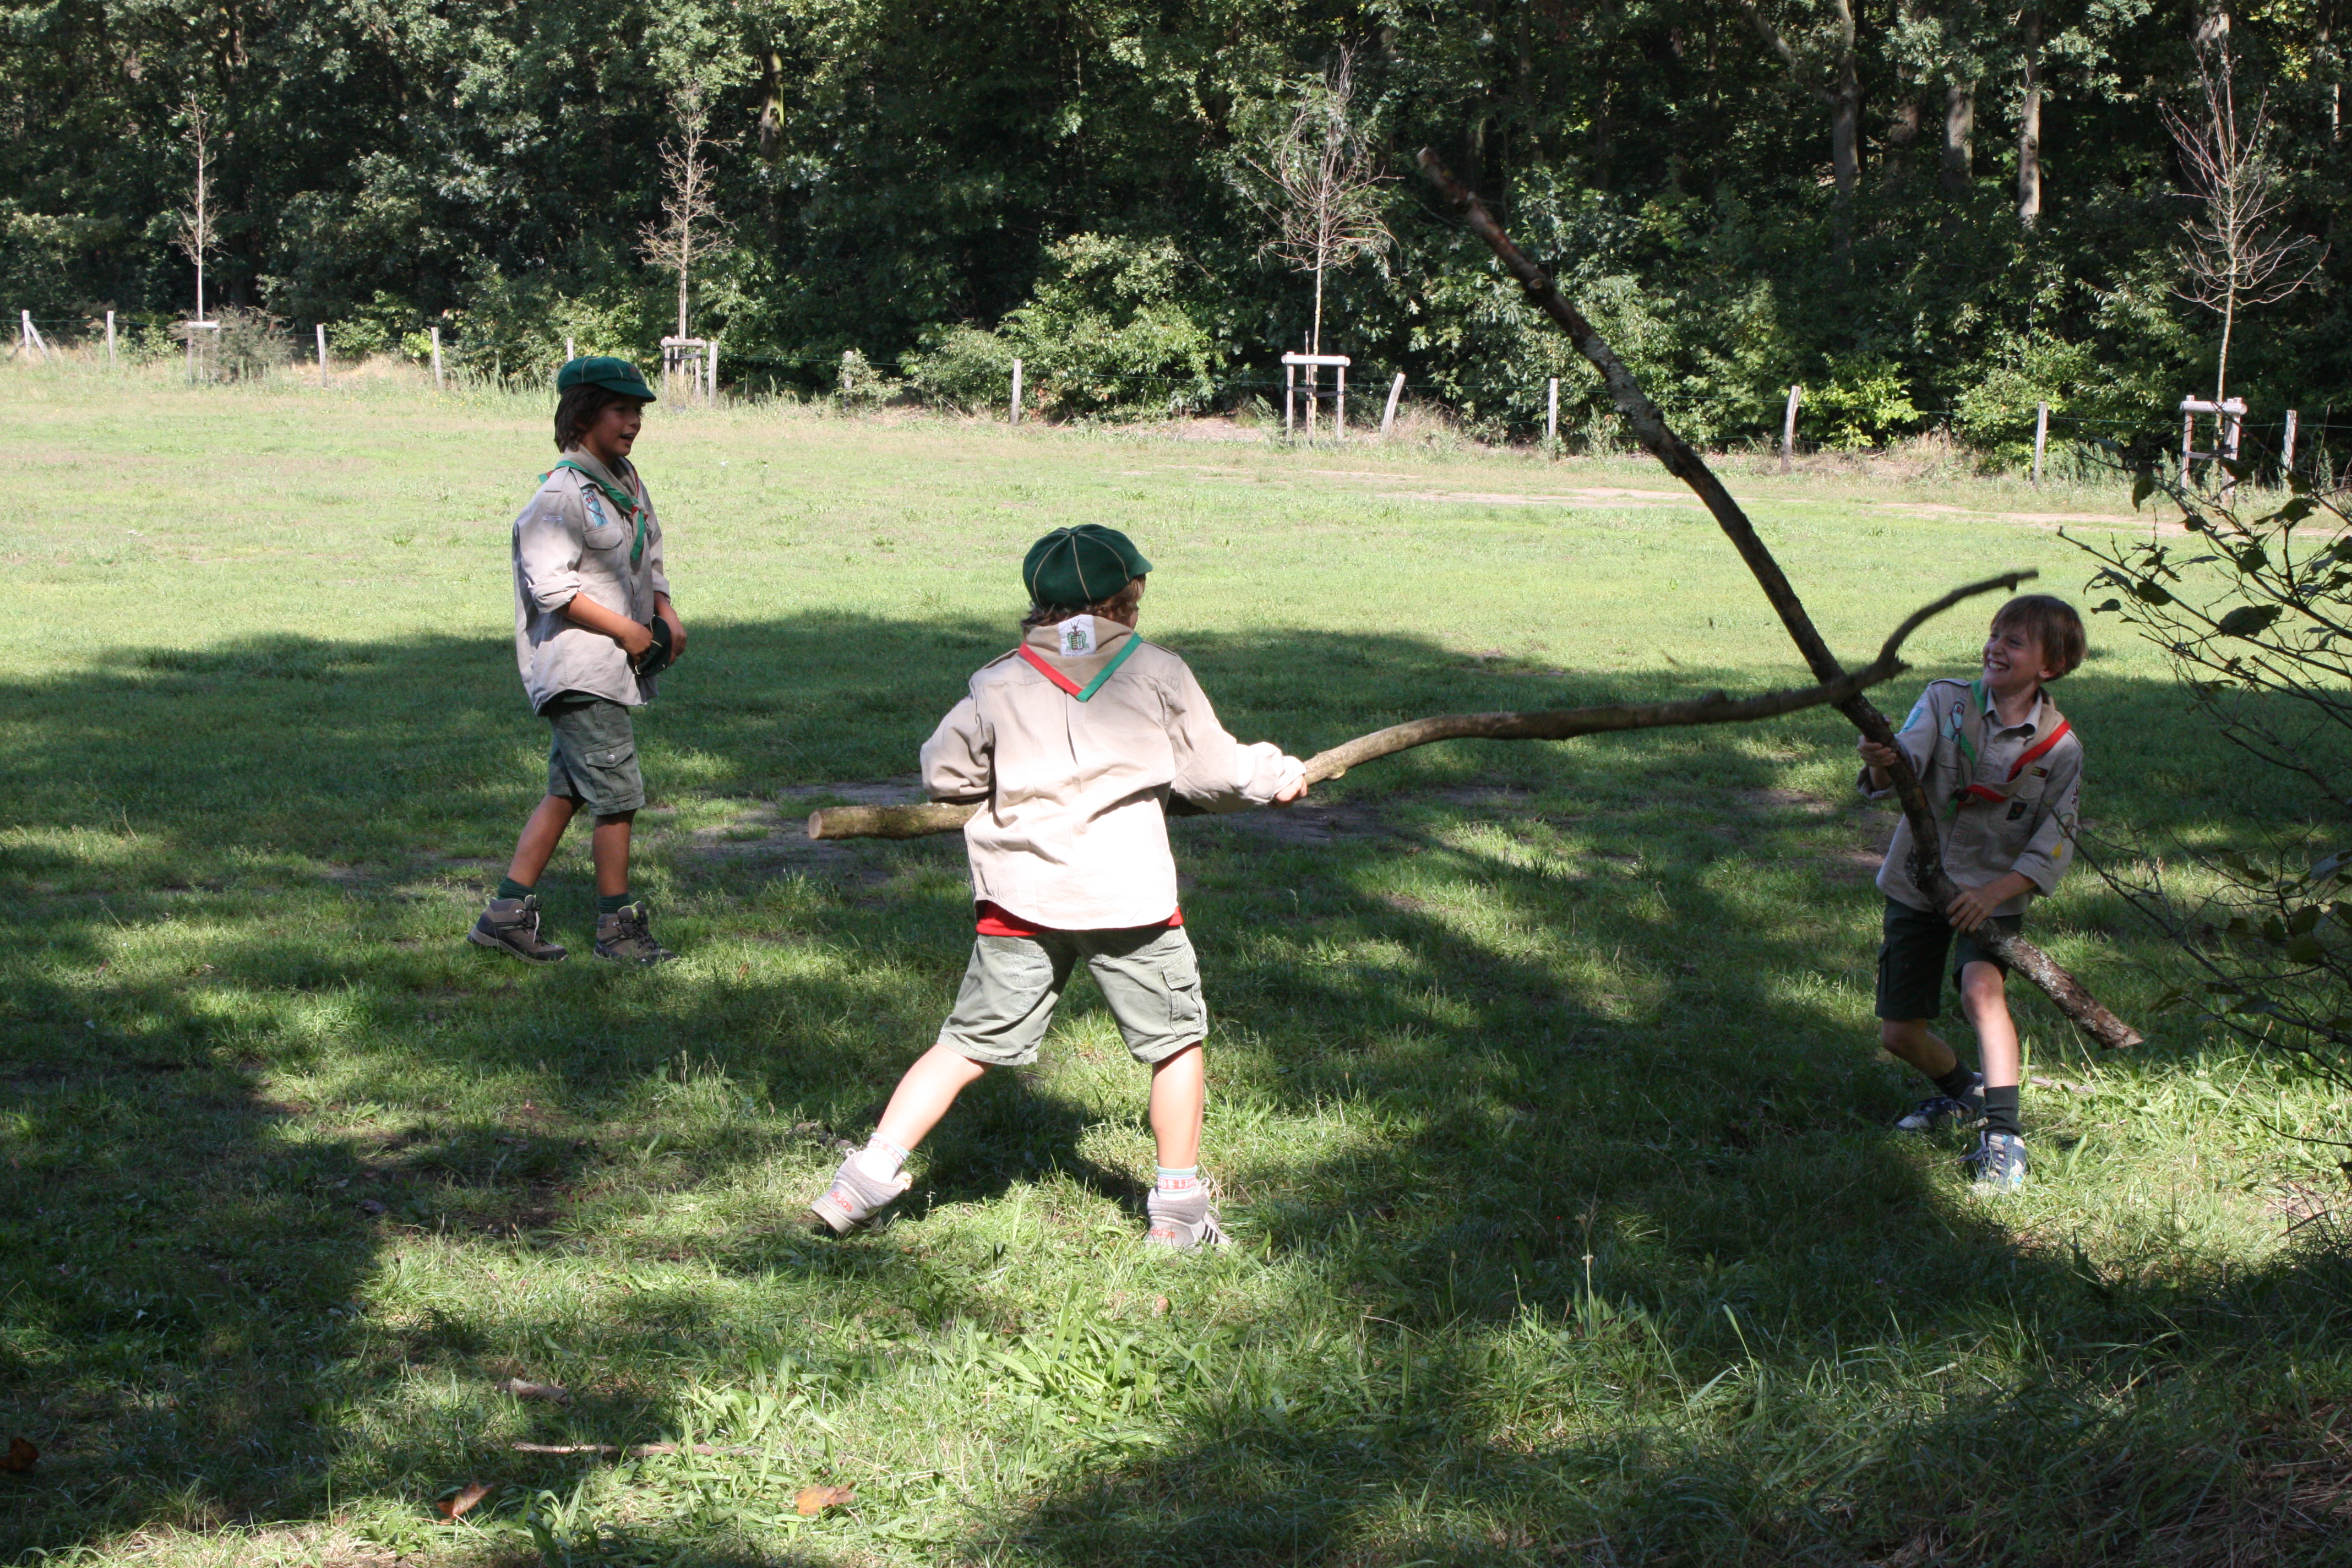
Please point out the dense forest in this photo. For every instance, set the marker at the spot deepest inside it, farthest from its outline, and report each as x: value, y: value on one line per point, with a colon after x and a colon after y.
x: 1929, y: 212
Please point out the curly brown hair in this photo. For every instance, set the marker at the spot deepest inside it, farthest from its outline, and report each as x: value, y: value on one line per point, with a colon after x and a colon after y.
x: 1111, y: 609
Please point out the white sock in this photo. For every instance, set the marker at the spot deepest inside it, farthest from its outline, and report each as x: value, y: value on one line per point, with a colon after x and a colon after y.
x: 881, y: 1158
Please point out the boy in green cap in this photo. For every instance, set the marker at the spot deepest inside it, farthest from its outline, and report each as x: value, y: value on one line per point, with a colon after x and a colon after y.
x: 1072, y: 743
x: 593, y: 624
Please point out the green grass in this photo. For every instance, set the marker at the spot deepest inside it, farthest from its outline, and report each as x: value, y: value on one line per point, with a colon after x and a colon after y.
x: 1546, y: 1097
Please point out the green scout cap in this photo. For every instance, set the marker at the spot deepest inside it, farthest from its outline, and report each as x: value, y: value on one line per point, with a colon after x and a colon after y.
x: 1081, y: 566
x: 603, y: 370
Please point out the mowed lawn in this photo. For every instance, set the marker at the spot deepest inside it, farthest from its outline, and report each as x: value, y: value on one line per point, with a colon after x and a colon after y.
x: 1546, y: 1100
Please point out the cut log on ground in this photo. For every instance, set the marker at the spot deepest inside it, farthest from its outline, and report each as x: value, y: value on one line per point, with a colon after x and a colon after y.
x: 1650, y: 427
x: 916, y: 821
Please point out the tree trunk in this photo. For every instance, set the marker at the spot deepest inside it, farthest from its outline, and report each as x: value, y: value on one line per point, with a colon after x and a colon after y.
x: 2221, y: 370
x: 771, y: 103
x: 2029, y: 125
x: 1959, y: 133
x: 1902, y: 133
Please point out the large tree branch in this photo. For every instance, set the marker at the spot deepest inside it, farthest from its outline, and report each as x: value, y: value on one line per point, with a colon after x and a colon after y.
x: 916, y: 821
x: 1650, y: 428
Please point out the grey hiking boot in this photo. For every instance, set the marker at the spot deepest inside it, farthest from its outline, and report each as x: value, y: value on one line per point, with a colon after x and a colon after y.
x: 855, y: 1197
x: 1997, y: 1164
x: 1181, y: 1221
x: 512, y: 925
x: 626, y: 937
x: 1964, y: 1110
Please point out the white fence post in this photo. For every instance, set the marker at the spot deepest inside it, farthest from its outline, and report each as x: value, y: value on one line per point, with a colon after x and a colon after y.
x: 1339, y: 417
x: 436, y: 358
x: 1551, y: 410
x: 322, y: 353
x: 2041, y: 437
x: 109, y: 339
x: 31, y: 335
x: 2286, y: 457
x: 570, y: 353
x: 1789, y: 427
x: 1290, y: 385
x: 1016, y: 391
x: 712, y: 365
x: 1396, y: 390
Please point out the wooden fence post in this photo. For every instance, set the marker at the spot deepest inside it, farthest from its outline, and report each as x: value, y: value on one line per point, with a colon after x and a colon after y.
x: 2286, y: 456
x: 2187, y: 438
x: 31, y: 336
x: 436, y: 358
x: 1396, y: 390
x: 2041, y: 438
x: 570, y: 353
x: 1551, y: 411
x: 1339, y: 414
x: 1289, y: 383
x: 712, y: 365
x: 322, y: 353
x: 1788, y: 428
x: 1016, y: 391
x: 109, y: 339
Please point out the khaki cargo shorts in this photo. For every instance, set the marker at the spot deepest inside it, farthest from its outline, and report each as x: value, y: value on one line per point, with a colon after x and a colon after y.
x: 1149, y: 976
x: 594, y: 759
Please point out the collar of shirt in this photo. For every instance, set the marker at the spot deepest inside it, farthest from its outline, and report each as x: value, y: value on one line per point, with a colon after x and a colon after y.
x: 2029, y: 725
x: 622, y: 481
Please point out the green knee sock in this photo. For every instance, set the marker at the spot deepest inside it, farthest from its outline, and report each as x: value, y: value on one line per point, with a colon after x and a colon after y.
x: 613, y: 903
x: 510, y: 889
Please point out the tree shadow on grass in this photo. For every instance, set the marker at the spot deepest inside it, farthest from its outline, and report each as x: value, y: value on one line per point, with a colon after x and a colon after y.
x: 1546, y: 1019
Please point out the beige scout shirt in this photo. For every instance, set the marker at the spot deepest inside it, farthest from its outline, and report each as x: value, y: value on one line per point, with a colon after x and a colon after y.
x: 573, y: 540
x: 2030, y: 833
x: 1072, y: 834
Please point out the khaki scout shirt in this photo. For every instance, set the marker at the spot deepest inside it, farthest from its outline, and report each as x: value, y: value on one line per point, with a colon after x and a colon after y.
x: 573, y: 540
x: 1072, y: 834
x: 2030, y: 833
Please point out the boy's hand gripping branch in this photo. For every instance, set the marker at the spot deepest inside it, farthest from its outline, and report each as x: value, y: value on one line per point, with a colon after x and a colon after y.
x: 1650, y: 427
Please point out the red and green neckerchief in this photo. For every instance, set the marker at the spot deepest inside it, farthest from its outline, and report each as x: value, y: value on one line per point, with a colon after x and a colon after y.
x: 631, y: 511
x: 1037, y: 662
x: 1973, y: 716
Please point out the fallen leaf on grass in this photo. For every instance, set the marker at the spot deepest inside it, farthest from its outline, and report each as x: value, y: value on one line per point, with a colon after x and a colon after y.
x: 1159, y: 1306
x: 452, y: 1507
x: 370, y: 1206
x: 816, y: 1500
x: 553, y: 1393
x: 20, y: 1457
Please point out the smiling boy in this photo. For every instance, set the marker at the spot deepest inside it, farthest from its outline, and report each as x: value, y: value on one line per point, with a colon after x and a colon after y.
x: 2004, y: 770
x: 593, y: 624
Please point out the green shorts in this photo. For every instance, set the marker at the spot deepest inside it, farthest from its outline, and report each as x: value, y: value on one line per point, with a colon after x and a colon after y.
x: 1911, y: 959
x: 1149, y: 976
x: 594, y: 759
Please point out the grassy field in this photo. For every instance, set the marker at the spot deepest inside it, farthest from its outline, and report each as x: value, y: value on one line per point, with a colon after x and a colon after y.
x: 1546, y: 1098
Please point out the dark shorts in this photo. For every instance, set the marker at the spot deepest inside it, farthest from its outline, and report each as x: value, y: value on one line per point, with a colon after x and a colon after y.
x: 594, y: 759
x: 1149, y: 976
x: 1911, y: 967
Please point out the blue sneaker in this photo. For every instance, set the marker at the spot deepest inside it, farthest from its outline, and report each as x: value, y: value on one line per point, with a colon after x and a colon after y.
x: 1998, y: 1162
x: 1937, y: 1110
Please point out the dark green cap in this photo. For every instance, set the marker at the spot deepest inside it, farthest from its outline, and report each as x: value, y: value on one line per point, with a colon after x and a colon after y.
x: 603, y: 370
x: 1081, y: 566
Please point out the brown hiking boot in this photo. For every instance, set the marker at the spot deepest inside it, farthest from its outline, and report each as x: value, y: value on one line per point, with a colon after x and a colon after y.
x: 512, y: 925
x: 624, y: 937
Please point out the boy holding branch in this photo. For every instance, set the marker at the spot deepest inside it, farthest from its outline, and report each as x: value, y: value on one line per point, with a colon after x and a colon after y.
x: 2004, y: 770
x: 1074, y: 743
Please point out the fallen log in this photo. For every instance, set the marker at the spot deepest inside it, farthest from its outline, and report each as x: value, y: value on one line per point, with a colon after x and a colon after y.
x: 1649, y: 427
x: 916, y: 821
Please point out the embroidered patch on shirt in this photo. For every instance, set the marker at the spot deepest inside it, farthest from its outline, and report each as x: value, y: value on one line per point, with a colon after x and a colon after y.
x: 1077, y: 635
x: 2041, y: 772
x: 593, y: 510
x: 2017, y: 809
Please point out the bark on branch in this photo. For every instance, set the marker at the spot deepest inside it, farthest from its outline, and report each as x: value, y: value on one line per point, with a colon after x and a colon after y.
x: 1650, y: 427
x: 916, y: 821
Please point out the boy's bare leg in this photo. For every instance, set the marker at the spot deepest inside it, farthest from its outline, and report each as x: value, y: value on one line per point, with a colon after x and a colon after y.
x: 1981, y: 998
x: 924, y: 1094
x: 1911, y: 1041
x: 1180, y: 1093
x: 539, y: 836
x: 609, y: 846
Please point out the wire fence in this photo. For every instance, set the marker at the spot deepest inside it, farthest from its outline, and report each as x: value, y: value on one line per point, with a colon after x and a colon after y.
x: 2074, y: 448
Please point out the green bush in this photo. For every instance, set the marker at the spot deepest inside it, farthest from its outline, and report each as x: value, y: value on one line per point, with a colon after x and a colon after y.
x: 964, y: 367
x: 1118, y: 327
x: 1863, y: 405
